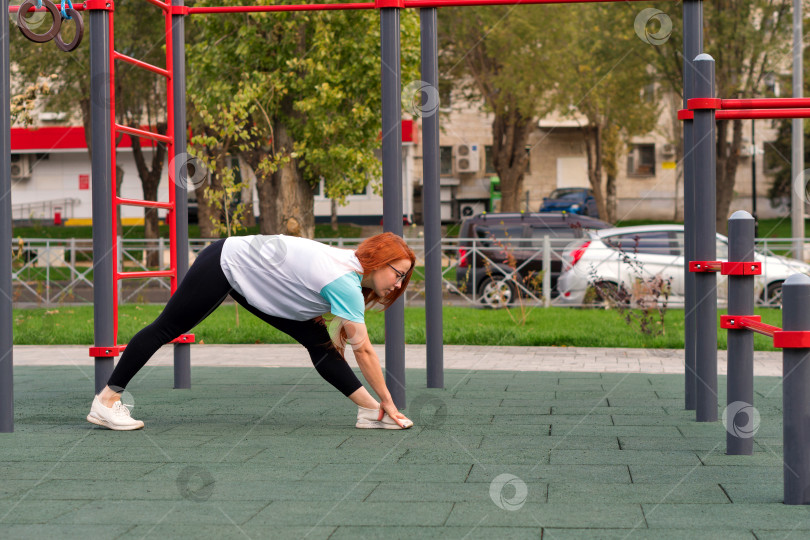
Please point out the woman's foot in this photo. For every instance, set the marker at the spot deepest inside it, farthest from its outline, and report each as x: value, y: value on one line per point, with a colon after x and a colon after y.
x: 116, y: 417
x: 368, y: 419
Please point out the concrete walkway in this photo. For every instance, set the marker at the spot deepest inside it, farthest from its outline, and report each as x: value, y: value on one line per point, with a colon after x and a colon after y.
x: 572, y: 359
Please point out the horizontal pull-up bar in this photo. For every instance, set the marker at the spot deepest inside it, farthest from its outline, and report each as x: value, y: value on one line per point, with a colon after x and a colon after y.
x: 382, y: 4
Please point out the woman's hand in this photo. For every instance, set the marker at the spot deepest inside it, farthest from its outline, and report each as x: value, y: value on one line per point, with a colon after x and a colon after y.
x: 391, y: 409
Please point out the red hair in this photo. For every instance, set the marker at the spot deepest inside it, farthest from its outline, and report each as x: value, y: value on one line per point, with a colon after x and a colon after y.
x: 379, y: 251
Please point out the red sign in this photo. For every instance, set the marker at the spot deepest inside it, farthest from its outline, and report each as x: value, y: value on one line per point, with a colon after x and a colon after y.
x: 84, y: 181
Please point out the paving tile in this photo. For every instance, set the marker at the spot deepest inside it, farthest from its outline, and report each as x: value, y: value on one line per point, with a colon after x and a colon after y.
x: 153, y: 512
x: 730, y: 516
x: 444, y: 492
x: 604, y: 474
x: 548, y: 515
x: 575, y: 493
x: 353, y: 513
x: 23, y: 510
x: 62, y: 531
x: 456, y: 533
x: 641, y: 533
x: 616, y: 457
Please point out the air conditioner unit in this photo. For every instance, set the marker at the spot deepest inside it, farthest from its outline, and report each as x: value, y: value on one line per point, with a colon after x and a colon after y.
x: 470, y: 208
x: 467, y: 158
x: 668, y: 150
x: 20, y: 166
x: 747, y: 150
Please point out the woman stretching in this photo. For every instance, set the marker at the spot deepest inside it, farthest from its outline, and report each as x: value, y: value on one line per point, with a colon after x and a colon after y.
x: 290, y: 283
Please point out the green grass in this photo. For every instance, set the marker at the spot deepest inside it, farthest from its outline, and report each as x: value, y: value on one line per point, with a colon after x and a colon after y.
x: 462, y: 326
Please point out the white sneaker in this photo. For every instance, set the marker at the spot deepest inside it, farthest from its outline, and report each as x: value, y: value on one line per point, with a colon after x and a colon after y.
x: 367, y: 419
x: 116, y: 417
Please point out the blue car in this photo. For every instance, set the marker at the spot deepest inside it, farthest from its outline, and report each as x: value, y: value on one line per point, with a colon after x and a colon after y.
x: 572, y: 200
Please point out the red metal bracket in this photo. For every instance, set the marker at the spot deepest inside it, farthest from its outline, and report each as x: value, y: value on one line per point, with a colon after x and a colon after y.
x: 686, y: 114
x: 115, y: 350
x: 705, y: 266
x: 749, y: 268
x: 791, y: 339
x: 179, y: 10
x: 734, y: 322
x: 379, y: 4
x: 100, y: 352
x: 105, y: 5
x: 704, y: 103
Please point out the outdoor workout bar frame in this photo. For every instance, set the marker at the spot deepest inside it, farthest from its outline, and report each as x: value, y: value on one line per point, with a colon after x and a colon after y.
x: 700, y: 349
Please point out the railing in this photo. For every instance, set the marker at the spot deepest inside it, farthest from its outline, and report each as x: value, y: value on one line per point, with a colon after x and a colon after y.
x: 44, y: 209
x: 475, y: 272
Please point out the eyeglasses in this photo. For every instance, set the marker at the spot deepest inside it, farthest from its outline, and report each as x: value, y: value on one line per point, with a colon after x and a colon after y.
x: 400, y: 275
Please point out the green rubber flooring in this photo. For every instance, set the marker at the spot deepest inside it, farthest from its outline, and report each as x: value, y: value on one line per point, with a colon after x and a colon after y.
x: 273, y: 453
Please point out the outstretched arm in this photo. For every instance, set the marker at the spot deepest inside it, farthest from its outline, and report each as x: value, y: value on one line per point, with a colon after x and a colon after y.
x: 369, y: 364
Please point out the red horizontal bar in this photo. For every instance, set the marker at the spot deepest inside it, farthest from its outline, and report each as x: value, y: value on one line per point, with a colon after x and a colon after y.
x: 765, y: 103
x: 260, y: 9
x: 704, y: 103
x: 759, y: 327
x: 162, y: 5
x: 15, y: 9
x: 143, y: 133
x: 752, y: 114
x: 147, y: 204
x: 144, y: 274
x: 454, y: 3
x: 144, y: 65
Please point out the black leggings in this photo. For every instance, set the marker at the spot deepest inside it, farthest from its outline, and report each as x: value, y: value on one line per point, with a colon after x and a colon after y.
x: 202, y: 290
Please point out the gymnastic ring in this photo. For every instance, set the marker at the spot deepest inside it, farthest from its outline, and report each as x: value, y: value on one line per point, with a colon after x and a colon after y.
x: 77, y: 39
x: 23, y: 26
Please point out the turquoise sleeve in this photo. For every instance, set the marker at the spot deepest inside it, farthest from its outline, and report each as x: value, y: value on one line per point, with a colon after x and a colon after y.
x: 345, y: 295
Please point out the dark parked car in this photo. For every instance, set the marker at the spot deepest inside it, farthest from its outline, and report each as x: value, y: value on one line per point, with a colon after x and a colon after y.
x: 512, y: 245
x: 574, y: 200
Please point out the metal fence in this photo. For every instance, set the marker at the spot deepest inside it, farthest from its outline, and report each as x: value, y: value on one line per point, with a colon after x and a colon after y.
x: 476, y: 272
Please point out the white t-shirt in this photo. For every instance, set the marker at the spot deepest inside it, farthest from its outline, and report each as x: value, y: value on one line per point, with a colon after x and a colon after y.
x: 294, y: 278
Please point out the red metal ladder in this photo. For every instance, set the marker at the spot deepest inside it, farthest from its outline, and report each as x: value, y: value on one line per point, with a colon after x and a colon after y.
x: 117, y: 201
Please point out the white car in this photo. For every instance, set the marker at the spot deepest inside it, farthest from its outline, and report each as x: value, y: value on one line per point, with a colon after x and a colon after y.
x: 624, y: 258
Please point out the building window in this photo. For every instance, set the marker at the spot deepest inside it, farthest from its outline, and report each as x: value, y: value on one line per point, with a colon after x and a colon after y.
x: 641, y: 160
x: 490, y: 161
x: 446, y: 161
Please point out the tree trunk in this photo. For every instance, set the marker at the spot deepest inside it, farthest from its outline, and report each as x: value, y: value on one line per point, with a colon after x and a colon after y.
x: 334, y: 220
x: 594, y: 151
x: 510, y: 132
x: 267, y: 192
x: 150, y: 180
x: 728, y: 158
x: 610, y: 195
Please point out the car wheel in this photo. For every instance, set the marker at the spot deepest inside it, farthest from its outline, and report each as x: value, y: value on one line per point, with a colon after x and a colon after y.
x: 497, y: 292
x: 608, y: 293
x: 772, y: 296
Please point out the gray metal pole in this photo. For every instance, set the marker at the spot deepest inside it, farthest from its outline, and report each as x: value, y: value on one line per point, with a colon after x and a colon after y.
x: 796, y: 392
x: 6, y: 316
x: 392, y: 192
x: 692, y: 46
x: 797, y: 198
x: 740, y: 381
x: 705, y: 245
x: 182, y: 351
x: 431, y: 204
x: 101, y: 110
